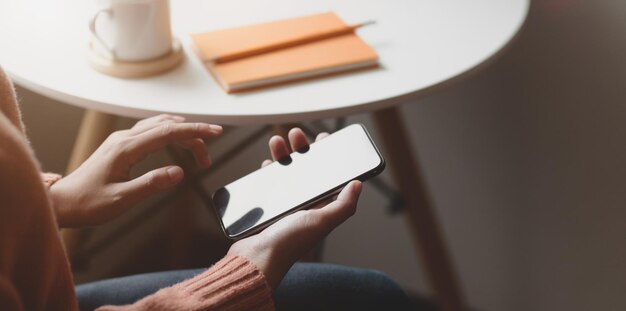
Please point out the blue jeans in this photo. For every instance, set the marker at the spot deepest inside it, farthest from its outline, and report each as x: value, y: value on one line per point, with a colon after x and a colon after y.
x: 307, y: 286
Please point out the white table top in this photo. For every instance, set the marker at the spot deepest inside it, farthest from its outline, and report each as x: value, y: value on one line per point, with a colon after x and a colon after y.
x: 422, y: 45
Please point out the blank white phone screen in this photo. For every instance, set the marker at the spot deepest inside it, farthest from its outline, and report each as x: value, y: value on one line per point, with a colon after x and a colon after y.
x: 282, y: 186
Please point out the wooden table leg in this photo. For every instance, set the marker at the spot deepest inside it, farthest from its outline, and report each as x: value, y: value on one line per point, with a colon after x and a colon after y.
x: 420, y: 214
x: 94, y: 129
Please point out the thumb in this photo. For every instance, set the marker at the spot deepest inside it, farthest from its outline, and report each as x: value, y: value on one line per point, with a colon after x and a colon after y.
x: 338, y: 211
x: 152, y: 182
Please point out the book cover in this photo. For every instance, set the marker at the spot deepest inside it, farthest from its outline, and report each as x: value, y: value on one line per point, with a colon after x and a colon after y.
x: 331, y: 55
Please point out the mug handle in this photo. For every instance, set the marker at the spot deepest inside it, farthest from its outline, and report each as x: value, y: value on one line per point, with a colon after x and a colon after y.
x: 92, y: 27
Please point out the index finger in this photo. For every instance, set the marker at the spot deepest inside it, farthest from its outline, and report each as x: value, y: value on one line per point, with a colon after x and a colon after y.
x: 167, y: 133
x: 278, y: 147
x: 146, y: 124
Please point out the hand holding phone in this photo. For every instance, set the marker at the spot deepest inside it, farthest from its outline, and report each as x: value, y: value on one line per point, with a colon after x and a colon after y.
x: 297, y: 181
x: 275, y: 249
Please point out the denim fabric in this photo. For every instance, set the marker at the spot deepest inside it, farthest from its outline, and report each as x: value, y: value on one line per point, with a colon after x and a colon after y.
x: 307, y: 286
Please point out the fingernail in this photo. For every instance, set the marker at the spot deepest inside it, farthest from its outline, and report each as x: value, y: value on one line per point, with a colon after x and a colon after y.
x: 356, y: 187
x: 215, y: 128
x: 179, y: 118
x: 175, y: 173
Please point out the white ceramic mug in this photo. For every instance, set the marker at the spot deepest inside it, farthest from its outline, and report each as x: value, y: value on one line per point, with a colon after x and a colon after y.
x: 133, y: 30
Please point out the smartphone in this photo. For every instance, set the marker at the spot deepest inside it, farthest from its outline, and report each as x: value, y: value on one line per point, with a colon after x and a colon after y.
x: 255, y: 201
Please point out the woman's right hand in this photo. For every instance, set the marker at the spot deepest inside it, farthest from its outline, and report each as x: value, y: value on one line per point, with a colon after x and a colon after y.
x: 275, y: 249
x: 101, y: 189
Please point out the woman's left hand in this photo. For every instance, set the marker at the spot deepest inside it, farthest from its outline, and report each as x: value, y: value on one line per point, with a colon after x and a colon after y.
x: 101, y: 188
x: 275, y: 249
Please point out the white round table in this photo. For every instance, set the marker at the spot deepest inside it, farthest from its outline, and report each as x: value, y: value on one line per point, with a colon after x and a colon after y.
x: 423, y: 45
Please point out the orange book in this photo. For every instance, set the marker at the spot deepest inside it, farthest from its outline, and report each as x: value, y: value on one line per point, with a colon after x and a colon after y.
x: 322, y: 57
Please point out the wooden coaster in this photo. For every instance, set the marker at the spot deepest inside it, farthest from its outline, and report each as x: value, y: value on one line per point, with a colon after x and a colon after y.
x: 133, y: 70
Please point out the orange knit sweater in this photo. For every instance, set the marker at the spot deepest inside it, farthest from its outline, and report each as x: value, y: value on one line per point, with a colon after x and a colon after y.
x: 34, y: 272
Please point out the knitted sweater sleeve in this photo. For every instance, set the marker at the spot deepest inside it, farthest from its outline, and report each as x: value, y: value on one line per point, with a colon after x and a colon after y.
x: 233, y: 283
